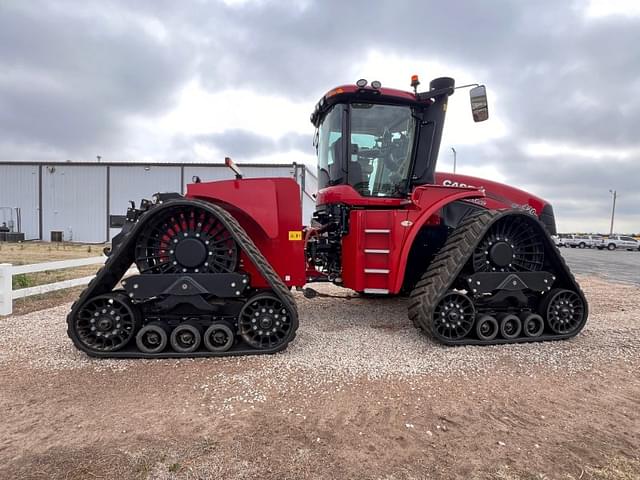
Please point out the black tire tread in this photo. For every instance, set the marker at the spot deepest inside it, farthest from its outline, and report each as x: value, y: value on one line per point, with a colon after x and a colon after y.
x: 449, y: 262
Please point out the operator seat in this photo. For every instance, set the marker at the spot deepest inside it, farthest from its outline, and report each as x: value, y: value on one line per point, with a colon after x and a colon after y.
x: 335, y: 167
x: 354, y: 177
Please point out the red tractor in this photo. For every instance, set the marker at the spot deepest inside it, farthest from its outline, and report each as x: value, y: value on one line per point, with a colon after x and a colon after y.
x: 217, y: 265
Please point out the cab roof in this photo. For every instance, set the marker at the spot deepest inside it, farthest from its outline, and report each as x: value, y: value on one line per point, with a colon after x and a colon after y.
x: 350, y: 93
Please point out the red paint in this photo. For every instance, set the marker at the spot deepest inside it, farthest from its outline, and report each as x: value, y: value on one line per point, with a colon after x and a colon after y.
x: 356, y: 261
x: 362, y: 270
x: 349, y: 196
x: 268, y: 209
x: 421, y: 209
x: 387, y: 92
x: 427, y: 202
x: 498, y: 195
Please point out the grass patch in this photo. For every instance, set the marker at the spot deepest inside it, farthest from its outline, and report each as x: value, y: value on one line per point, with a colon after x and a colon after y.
x: 20, y: 281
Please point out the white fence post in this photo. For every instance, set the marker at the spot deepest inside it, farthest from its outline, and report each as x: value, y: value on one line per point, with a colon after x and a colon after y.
x: 6, y: 295
x: 7, y: 271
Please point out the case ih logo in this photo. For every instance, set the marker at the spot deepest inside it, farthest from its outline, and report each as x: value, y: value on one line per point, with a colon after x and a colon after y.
x: 452, y: 183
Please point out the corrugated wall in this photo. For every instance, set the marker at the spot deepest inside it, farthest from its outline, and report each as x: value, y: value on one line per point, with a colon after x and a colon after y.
x: 78, y: 199
x: 74, y: 200
x: 137, y: 182
x: 19, y: 188
x: 308, y: 198
x: 220, y: 172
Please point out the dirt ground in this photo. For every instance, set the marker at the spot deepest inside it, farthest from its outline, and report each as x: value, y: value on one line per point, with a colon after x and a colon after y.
x: 358, y: 395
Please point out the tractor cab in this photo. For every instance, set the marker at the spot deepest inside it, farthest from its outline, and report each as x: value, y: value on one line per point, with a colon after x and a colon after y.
x: 380, y: 141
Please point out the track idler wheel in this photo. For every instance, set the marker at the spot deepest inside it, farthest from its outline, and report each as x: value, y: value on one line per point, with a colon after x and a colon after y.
x: 532, y: 324
x: 106, y: 323
x: 152, y: 338
x: 487, y: 328
x: 264, y: 322
x: 453, y: 316
x: 218, y: 338
x: 185, y: 338
x: 510, y: 326
x: 564, y: 311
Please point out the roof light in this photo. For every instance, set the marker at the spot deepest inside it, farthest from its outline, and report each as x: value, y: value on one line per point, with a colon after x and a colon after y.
x: 376, y: 84
x: 361, y: 83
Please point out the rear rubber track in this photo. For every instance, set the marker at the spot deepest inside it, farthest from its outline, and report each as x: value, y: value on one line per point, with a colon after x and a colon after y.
x: 122, y: 258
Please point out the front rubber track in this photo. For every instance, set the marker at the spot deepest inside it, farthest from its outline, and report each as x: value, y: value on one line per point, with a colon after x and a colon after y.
x: 122, y: 258
x: 448, y: 263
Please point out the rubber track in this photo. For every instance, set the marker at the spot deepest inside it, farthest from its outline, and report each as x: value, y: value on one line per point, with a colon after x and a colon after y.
x: 451, y: 259
x: 122, y: 258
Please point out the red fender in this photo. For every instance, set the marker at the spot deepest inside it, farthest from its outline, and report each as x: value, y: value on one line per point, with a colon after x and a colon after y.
x: 270, y: 212
x: 427, y: 202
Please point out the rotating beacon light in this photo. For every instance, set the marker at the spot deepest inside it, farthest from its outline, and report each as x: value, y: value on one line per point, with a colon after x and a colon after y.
x: 414, y: 83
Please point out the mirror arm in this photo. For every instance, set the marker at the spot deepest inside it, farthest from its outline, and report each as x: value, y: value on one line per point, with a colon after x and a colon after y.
x: 435, y: 93
x: 443, y: 91
x: 469, y: 85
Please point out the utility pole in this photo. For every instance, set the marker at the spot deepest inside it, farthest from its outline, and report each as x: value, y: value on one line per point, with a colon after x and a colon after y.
x: 613, y: 209
x: 454, y: 159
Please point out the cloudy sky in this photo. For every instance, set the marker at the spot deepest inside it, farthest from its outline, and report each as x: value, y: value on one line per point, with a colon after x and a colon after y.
x: 197, y: 80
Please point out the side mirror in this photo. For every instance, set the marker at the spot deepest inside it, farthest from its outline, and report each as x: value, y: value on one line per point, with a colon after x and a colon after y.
x: 479, y: 105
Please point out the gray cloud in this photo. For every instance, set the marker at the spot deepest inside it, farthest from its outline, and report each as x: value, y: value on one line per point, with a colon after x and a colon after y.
x: 70, y: 82
x: 248, y: 145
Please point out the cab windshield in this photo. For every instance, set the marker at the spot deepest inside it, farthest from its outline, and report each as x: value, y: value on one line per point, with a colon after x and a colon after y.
x: 379, y: 148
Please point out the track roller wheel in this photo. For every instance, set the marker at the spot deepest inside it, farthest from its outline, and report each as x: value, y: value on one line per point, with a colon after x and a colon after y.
x: 453, y: 316
x: 106, y: 323
x: 532, y: 324
x: 185, y: 338
x: 264, y: 322
x: 152, y: 338
x: 564, y: 311
x: 218, y: 338
x: 487, y: 328
x: 510, y: 326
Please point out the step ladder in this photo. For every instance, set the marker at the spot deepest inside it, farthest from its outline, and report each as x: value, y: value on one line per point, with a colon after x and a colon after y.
x: 376, y: 248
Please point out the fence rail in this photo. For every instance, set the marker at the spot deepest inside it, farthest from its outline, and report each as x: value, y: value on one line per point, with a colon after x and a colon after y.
x: 7, y: 271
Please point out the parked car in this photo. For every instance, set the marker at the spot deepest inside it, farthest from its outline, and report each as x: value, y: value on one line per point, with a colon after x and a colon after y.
x: 583, y: 241
x: 619, y: 241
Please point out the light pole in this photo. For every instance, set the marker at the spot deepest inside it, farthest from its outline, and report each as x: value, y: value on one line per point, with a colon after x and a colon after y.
x: 454, y: 159
x: 613, y: 209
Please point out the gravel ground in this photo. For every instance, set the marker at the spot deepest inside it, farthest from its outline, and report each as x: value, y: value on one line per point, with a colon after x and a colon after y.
x: 364, y: 337
x: 358, y: 386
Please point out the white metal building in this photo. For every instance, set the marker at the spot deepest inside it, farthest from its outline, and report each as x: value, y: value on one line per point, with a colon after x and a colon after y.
x: 79, y: 199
